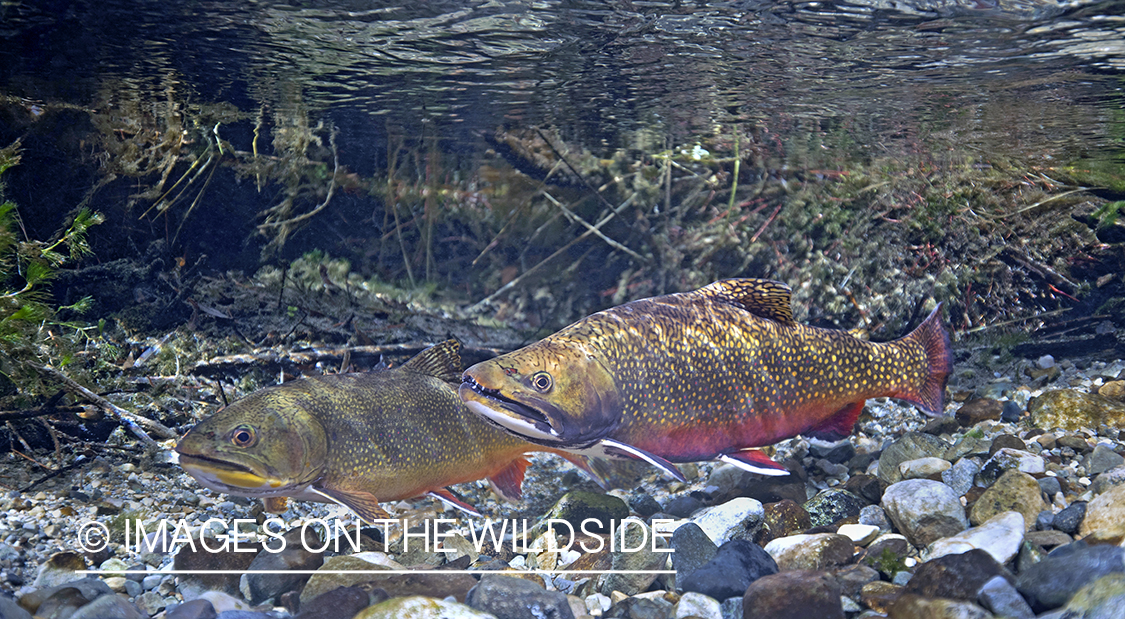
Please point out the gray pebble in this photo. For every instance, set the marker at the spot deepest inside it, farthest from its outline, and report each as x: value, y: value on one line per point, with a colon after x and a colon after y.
x: 1069, y: 519
x: 1050, y: 486
x: 999, y: 596
x: 133, y: 588
x: 1011, y: 412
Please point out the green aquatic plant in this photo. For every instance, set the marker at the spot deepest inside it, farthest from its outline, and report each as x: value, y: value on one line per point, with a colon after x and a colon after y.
x: 28, y: 319
x: 1107, y: 213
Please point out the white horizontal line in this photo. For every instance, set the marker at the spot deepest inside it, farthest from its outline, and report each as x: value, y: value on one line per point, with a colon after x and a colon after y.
x: 375, y: 572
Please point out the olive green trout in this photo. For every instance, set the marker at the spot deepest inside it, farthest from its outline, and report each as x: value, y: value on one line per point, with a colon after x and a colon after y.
x: 357, y: 439
x: 703, y: 375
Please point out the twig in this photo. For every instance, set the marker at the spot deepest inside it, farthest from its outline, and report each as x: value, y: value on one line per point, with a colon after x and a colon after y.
x: 124, y: 417
x: 1037, y: 204
x: 53, y: 474
x: 479, y: 304
x: 574, y: 217
x: 328, y: 198
x: 39, y: 412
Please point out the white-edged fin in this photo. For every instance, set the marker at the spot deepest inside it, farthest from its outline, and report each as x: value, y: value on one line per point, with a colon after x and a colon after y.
x: 449, y: 498
x: 513, y: 423
x: 747, y: 466
x: 641, y: 454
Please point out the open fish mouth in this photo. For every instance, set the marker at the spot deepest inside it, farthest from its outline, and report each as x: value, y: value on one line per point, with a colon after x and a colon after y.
x: 507, y: 403
x: 507, y: 413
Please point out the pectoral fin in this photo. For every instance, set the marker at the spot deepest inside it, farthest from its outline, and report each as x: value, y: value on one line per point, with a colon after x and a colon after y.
x: 275, y: 504
x: 447, y: 496
x: 508, y: 483
x: 364, y: 504
x: 640, y: 454
x: 754, y: 461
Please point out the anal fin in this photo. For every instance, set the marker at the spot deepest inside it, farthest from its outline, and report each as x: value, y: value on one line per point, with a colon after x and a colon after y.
x: 640, y: 454
x: 275, y: 504
x: 754, y: 461
x: 447, y: 496
x: 508, y: 483
x: 839, y: 425
x: 364, y: 504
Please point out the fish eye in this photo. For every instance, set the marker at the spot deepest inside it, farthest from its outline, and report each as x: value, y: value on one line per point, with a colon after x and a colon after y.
x: 243, y: 436
x: 542, y: 382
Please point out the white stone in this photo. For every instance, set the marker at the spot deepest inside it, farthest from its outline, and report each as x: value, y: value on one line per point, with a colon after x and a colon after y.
x: 694, y: 604
x: 725, y: 522
x: 922, y: 468
x: 999, y: 536
x: 597, y: 604
x: 861, y: 534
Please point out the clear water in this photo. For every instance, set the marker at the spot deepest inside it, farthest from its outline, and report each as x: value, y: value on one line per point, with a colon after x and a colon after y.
x: 813, y: 89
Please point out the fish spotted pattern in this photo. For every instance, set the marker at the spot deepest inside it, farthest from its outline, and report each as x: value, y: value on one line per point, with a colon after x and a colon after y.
x: 703, y: 375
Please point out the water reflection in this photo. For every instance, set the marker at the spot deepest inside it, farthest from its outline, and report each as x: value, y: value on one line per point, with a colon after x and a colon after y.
x: 597, y: 64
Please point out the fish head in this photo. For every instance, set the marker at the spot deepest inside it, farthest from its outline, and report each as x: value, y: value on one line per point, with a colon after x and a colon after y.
x: 264, y: 445
x: 548, y: 393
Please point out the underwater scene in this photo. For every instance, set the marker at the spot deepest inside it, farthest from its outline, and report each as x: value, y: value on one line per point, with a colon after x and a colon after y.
x: 513, y: 309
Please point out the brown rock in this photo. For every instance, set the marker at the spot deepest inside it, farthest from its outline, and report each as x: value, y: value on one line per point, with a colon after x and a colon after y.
x: 1114, y: 390
x: 1014, y: 491
x: 1006, y: 440
x: 1105, y: 512
x: 1048, y: 539
x: 852, y: 578
x: 975, y: 411
x: 915, y: 607
x: 811, y: 552
x: 957, y: 577
x: 799, y: 594
x: 879, y: 595
x: 781, y: 519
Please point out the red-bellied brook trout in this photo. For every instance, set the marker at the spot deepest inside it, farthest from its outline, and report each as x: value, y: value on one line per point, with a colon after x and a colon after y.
x: 702, y: 375
x: 357, y: 439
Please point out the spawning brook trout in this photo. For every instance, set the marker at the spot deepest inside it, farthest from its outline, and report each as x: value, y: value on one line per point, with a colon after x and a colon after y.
x: 703, y: 375
x: 357, y: 439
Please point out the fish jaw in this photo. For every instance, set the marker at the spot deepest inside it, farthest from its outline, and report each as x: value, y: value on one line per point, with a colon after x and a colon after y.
x: 236, y: 479
x: 500, y: 396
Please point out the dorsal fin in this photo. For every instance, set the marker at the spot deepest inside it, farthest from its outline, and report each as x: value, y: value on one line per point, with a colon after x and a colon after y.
x: 761, y: 297
x: 440, y: 361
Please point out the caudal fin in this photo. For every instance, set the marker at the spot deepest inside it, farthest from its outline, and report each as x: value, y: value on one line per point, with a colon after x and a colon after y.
x: 934, y: 339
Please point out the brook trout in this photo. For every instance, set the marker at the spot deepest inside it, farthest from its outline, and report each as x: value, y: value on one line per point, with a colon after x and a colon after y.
x: 703, y: 375
x: 357, y: 439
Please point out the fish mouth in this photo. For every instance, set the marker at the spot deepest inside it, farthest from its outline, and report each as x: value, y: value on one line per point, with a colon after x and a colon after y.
x: 505, y: 402
x: 507, y: 413
x: 229, y: 477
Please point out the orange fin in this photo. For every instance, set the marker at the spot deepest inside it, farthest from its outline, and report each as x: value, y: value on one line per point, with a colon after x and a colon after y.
x: 508, y: 483
x: 761, y: 297
x: 755, y: 461
x: 440, y: 361
x: 934, y: 339
x: 839, y: 425
x: 447, y: 496
x: 364, y: 504
x: 275, y: 504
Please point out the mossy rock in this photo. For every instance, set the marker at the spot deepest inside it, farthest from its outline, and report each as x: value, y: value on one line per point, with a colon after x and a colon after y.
x: 420, y: 607
x: 577, y: 506
x: 1071, y: 410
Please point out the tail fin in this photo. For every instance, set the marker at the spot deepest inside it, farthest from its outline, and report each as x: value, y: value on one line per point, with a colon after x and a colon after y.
x: 934, y: 339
